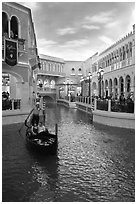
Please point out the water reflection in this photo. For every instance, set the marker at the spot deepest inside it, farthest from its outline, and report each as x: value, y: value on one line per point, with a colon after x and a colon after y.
x: 45, y: 172
x: 93, y: 163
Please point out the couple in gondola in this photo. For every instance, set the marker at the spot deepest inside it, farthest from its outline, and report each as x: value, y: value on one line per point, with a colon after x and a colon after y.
x: 37, y: 129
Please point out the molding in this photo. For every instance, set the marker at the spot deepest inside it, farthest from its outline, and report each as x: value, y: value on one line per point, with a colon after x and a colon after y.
x: 11, y: 4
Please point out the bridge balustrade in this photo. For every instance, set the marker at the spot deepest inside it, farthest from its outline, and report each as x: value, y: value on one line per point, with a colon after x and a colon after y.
x: 102, y: 105
x: 46, y: 89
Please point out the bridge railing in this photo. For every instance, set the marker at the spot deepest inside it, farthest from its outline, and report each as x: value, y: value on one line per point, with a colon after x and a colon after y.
x: 85, y: 99
x: 102, y: 105
x: 46, y: 89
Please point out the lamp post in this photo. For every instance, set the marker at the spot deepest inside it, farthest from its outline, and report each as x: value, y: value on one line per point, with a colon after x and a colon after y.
x: 67, y: 83
x: 81, y: 80
x: 100, y: 77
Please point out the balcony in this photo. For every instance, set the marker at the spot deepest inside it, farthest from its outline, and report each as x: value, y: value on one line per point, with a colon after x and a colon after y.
x: 46, y: 90
x: 50, y: 73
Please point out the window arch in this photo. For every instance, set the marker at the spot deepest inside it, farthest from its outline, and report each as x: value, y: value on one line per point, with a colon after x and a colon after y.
x: 79, y: 71
x: 14, y: 27
x: 52, y: 84
x: 5, y: 31
x: 128, y: 82
x: 121, y: 85
x: 130, y: 48
x: 46, y: 83
x: 123, y: 53
x: 73, y: 71
x: 110, y: 87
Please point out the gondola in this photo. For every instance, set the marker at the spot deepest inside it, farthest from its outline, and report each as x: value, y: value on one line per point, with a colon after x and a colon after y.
x: 43, y: 142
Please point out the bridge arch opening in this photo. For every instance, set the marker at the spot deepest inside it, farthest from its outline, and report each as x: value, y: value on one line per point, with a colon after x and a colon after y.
x: 12, y: 83
x: 48, y: 99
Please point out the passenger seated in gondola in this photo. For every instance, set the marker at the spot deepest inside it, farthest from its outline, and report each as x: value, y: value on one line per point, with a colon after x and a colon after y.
x: 42, y: 132
x: 34, y: 129
x: 41, y: 128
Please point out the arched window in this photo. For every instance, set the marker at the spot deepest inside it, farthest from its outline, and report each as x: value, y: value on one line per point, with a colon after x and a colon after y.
x: 40, y: 82
x: 73, y: 71
x: 14, y: 27
x: 121, y: 84
x: 79, y: 71
x: 120, y: 54
x: 52, y: 84
x: 130, y: 48
x: 115, y: 88
x: 110, y: 88
x: 5, y: 31
x: 128, y: 81
x: 123, y: 53
x: 46, y: 83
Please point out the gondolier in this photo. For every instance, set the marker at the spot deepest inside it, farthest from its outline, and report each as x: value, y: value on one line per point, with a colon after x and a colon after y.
x: 35, y: 116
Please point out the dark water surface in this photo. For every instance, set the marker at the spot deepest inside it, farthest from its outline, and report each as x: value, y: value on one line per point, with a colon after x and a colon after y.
x: 93, y: 162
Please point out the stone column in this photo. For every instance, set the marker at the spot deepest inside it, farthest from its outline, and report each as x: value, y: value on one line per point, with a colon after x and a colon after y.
x: 25, y: 98
x: 109, y: 105
x: 95, y: 104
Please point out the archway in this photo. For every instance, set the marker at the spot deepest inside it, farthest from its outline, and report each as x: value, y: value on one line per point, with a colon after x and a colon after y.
x: 5, y: 31
x: 115, y: 88
x: 14, y: 85
x: 14, y: 27
x: 94, y: 89
x: 110, y: 88
x: 127, y: 85
x: 106, y: 88
x: 121, y: 85
x: 102, y: 89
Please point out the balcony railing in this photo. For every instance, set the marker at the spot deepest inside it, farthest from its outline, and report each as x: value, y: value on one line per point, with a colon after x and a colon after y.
x: 46, y: 89
x: 46, y: 72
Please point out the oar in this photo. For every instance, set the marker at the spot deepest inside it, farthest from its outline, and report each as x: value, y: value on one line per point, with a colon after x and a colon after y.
x: 26, y: 120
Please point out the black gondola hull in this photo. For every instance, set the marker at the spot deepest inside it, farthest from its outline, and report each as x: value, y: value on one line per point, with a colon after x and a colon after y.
x: 43, y: 143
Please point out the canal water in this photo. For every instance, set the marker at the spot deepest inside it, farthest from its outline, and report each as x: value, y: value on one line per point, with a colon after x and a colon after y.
x: 93, y: 163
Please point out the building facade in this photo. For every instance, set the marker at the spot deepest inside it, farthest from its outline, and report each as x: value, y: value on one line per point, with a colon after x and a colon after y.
x: 19, y: 51
x: 118, y: 65
x: 70, y: 84
x: 47, y: 76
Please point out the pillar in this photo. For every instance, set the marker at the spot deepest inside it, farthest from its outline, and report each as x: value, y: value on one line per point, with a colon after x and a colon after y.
x: 95, y: 104
x: 25, y: 98
x: 109, y: 105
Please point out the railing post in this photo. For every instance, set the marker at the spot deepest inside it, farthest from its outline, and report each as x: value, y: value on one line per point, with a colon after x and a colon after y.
x: 91, y: 101
x: 12, y: 104
x: 109, y: 105
x: 95, y: 104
